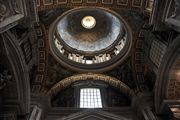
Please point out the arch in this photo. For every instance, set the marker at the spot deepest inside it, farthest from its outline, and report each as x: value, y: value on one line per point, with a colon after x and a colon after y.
x: 164, y: 75
x: 90, y: 76
x: 20, y: 72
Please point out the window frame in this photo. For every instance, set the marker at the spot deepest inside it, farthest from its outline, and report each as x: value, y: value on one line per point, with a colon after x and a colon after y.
x: 93, y: 91
x: 90, y: 84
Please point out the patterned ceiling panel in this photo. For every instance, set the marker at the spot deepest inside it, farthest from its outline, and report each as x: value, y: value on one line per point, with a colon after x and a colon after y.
x: 122, y: 2
x: 92, y: 1
x: 62, y: 1
x: 137, y: 3
x: 130, y: 4
x: 76, y: 1
x: 47, y: 2
x: 107, y: 1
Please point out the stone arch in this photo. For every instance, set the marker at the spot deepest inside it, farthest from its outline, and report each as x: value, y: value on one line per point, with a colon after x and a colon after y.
x: 91, y: 76
x: 20, y: 71
x: 165, y: 83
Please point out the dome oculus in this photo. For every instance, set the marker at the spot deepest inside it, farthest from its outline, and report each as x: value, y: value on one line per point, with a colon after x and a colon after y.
x: 88, y: 22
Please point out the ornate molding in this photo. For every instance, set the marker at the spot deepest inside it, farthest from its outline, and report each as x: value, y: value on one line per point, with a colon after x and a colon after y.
x: 138, y: 60
x: 90, y: 76
x: 49, y: 4
x: 37, y: 85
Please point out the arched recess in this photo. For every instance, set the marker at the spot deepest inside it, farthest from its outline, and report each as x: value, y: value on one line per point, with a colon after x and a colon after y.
x: 20, y: 72
x: 167, y: 83
x: 91, y: 76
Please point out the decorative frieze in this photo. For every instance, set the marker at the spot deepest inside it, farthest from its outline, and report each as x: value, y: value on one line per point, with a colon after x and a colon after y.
x: 110, y: 80
x: 92, y: 1
x: 37, y: 84
x: 76, y: 1
x: 137, y: 3
x: 62, y: 2
x: 107, y: 1
x: 47, y: 4
x: 122, y: 2
x: 139, y: 62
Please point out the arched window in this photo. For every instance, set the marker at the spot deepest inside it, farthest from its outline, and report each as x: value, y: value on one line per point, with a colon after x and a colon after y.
x: 90, y: 98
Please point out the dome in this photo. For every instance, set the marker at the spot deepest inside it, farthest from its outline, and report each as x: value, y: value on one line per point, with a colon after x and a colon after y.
x: 90, y: 39
x: 89, y: 29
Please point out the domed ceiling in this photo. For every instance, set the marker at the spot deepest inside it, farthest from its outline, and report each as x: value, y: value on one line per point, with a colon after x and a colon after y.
x: 89, y: 29
x: 90, y: 38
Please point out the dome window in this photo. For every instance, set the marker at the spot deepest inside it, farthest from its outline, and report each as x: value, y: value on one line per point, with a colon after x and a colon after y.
x: 88, y: 22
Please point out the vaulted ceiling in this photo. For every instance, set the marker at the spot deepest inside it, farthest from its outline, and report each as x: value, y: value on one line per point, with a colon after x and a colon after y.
x: 129, y: 70
x: 140, y: 64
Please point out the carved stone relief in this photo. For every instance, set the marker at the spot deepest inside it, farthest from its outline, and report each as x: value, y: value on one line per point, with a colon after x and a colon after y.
x: 10, y: 12
x: 176, y: 11
x: 172, y: 17
x: 4, y: 11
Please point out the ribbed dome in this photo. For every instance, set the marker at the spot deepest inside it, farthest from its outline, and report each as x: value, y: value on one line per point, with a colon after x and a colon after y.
x: 105, y: 29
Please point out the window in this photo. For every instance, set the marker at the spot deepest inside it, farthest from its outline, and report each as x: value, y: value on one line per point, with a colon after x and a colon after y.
x: 90, y: 98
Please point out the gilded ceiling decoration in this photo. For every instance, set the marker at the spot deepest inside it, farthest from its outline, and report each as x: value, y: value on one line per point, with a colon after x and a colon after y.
x: 62, y: 84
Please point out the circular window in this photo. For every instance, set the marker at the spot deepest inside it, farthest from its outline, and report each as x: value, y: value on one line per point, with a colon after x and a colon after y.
x: 88, y: 22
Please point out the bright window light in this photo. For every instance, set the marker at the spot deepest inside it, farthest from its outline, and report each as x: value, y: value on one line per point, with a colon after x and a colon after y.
x: 88, y: 22
x: 89, y: 62
x: 90, y: 98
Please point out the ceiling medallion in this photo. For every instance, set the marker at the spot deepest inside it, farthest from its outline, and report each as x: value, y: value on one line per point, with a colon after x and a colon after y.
x: 88, y: 22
